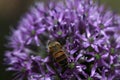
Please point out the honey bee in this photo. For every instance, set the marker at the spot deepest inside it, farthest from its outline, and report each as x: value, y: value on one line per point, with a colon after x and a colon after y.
x: 58, y: 54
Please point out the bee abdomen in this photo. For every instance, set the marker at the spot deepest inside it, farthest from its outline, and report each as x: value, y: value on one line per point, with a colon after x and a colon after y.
x: 63, y: 63
x: 61, y: 59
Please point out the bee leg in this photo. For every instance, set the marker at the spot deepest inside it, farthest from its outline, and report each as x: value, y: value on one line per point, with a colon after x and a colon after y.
x: 64, y: 69
x: 56, y: 71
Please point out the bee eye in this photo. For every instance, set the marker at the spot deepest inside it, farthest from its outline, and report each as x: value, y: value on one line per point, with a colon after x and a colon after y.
x: 49, y: 48
x: 58, y: 46
x: 52, y: 48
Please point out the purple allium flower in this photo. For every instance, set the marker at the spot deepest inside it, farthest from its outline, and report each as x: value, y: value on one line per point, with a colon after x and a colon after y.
x: 89, y: 34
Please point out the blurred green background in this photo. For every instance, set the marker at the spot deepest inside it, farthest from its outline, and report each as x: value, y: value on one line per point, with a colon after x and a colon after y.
x: 10, y: 13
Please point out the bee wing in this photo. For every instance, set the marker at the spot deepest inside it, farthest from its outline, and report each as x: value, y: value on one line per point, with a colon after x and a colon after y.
x: 66, y: 53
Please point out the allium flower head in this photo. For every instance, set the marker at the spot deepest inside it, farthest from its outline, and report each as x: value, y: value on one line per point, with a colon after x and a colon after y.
x: 89, y: 34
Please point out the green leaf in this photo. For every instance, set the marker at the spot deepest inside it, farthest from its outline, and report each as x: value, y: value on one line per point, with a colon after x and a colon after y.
x: 89, y: 78
x: 71, y: 65
x: 97, y: 56
x: 91, y: 40
x: 33, y: 32
x: 59, y: 32
x: 112, y: 50
x: 101, y: 26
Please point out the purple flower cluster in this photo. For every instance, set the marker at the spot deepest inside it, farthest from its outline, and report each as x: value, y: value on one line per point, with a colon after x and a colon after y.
x: 89, y: 34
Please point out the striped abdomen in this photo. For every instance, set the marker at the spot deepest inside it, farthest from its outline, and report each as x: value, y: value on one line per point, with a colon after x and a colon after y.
x: 61, y: 58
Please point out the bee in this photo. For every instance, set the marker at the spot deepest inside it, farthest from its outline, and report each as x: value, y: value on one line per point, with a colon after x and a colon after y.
x: 58, y: 54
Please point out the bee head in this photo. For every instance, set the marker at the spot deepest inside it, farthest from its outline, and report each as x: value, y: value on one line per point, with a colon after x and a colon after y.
x: 54, y: 46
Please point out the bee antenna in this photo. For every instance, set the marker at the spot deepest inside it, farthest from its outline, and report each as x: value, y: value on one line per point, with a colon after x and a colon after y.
x: 48, y: 42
